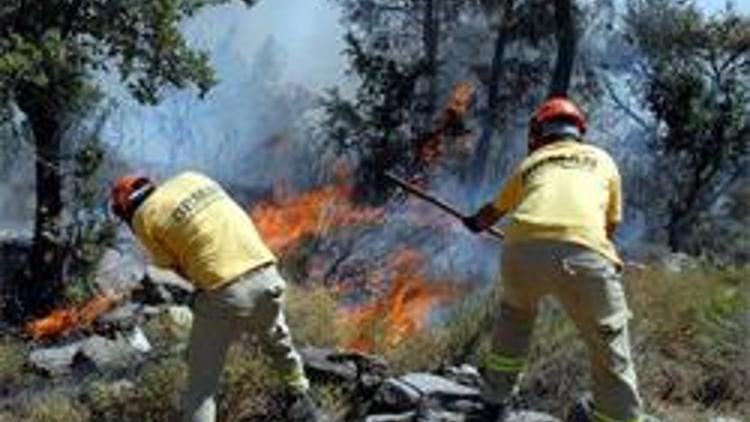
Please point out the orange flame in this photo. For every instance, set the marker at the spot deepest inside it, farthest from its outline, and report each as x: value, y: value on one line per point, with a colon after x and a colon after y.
x: 403, y: 311
x: 63, y: 321
x: 452, y: 116
x: 285, y: 222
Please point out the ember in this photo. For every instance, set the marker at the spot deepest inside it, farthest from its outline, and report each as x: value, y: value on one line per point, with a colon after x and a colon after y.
x: 64, y: 321
x: 285, y: 222
x: 404, y: 310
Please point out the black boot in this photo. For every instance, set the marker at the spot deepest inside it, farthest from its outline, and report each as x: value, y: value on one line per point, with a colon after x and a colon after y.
x: 302, y: 408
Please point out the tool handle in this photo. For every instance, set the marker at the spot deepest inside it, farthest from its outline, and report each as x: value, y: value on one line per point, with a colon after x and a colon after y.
x: 448, y: 208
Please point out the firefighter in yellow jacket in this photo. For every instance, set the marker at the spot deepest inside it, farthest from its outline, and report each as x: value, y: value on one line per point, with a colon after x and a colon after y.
x: 564, y: 203
x: 190, y: 225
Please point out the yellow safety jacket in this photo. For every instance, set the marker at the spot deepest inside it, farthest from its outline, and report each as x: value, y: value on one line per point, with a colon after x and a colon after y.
x: 568, y: 191
x: 190, y: 225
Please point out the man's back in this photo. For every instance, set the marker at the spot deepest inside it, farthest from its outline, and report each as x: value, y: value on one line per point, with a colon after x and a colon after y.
x: 567, y: 191
x: 191, y: 225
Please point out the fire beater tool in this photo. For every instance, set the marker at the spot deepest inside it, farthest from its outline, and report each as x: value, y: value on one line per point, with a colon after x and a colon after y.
x: 432, y: 199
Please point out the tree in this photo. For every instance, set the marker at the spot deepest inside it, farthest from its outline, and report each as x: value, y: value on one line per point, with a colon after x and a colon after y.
x: 50, y: 53
x: 697, y: 87
x: 407, y: 56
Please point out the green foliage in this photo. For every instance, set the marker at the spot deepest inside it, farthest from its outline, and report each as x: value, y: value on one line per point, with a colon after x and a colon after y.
x: 376, y: 128
x: 697, y: 87
x: 54, y: 45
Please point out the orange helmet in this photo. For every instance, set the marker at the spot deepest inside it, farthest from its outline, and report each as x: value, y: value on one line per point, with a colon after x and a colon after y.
x: 128, y: 192
x: 557, y: 110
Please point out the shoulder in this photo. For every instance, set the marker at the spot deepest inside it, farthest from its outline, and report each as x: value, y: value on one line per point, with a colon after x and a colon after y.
x: 602, y: 154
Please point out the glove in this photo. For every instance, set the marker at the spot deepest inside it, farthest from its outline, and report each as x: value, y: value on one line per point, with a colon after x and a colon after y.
x: 473, y: 224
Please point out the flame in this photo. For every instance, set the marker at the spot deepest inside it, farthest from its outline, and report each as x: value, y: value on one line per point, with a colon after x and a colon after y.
x: 451, y: 117
x: 285, y: 222
x: 63, y: 321
x: 403, y: 311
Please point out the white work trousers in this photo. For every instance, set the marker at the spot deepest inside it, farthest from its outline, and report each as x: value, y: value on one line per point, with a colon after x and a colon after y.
x: 252, y: 304
x: 589, y: 288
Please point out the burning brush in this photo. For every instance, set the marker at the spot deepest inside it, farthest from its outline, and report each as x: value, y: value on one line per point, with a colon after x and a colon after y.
x: 64, y: 321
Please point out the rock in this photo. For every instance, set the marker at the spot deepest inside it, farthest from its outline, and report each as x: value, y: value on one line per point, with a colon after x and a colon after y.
x: 435, y: 386
x: 327, y: 364
x: 101, y: 353
x: 122, y: 318
x: 529, y: 416
x: 54, y: 361
x: 139, y: 341
x: 402, y: 417
x: 412, y: 390
x: 119, y: 271
x: 723, y: 419
x: 464, y: 375
x: 396, y: 395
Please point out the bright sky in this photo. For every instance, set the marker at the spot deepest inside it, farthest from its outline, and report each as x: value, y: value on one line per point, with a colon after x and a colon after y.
x: 308, y: 31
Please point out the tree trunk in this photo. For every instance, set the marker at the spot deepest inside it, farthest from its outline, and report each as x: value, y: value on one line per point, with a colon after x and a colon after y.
x: 566, y: 49
x: 43, y: 290
x: 482, y: 150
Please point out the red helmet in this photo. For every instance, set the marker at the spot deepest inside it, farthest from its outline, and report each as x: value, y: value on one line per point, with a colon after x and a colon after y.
x: 127, y: 193
x: 558, y: 109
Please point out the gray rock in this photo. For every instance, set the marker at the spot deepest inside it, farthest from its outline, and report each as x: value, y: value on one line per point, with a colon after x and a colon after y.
x: 397, y: 396
x: 124, y: 317
x: 435, y: 386
x: 417, y: 389
x: 529, y: 416
x: 465, y: 375
x: 401, y: 417
x: 328, y: 364
x: 54, y: 361
x: 101, y: 353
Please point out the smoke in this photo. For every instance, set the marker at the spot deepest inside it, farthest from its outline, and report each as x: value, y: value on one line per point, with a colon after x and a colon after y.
x: 272, y: 61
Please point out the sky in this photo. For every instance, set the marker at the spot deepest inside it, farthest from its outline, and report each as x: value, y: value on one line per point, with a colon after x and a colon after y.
x: 308, y: 31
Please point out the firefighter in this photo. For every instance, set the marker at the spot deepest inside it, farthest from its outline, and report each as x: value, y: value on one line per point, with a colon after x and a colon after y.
x: 190, y: 225
x: 564, y: 202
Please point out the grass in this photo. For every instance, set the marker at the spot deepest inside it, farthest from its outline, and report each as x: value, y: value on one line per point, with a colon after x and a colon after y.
x: 54, y: 407
x: 690, y: 337
x: 12, y: 359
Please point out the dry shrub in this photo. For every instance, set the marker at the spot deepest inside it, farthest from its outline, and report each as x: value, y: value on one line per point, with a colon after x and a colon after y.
x: 53, y: 408
x: 12, y: 358
x: 691, y: 336
x: 249, y: 389
x: 155, y: 398
x: 313, y: 316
